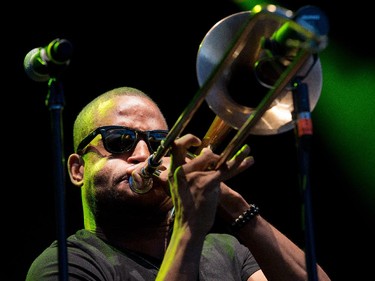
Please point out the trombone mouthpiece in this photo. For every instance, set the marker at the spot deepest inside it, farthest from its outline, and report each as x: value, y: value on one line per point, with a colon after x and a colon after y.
x: 140, y: 182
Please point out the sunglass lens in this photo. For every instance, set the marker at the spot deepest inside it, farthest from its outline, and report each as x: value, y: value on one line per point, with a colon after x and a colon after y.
x: 155, y: 140
x: 119, y: 141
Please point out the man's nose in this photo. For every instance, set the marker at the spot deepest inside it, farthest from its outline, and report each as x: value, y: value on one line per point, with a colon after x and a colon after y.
x: 140, y: 152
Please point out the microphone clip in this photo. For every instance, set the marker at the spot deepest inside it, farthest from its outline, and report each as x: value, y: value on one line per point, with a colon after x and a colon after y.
x: 44, y: 63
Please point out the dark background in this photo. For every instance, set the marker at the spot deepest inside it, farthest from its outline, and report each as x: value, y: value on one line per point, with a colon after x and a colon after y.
x: 153, y: 46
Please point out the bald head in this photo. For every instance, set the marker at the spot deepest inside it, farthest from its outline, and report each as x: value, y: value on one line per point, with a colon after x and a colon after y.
x: 103, y: 110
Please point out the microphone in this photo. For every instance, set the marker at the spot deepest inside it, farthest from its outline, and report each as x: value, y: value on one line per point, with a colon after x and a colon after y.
x: 290, y: 36
x: 42, y: 63
x: 308, y: 30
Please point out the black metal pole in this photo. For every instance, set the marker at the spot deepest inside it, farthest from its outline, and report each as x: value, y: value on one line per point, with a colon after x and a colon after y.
x: 55, y: 103
x: 304, y: 132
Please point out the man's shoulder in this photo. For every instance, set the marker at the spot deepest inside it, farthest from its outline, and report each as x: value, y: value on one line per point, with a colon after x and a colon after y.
x: 88, y: 242
x: 220, y: 238
x: 84, y: 249
x: 81, y: 241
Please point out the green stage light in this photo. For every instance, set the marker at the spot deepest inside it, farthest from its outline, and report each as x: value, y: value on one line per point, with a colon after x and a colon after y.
x: 345, y: 113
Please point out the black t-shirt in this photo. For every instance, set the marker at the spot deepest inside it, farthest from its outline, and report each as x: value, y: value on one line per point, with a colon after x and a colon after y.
x: 90, y: 258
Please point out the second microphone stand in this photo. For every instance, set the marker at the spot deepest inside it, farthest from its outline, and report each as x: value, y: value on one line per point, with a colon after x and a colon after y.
x: 303, y: 132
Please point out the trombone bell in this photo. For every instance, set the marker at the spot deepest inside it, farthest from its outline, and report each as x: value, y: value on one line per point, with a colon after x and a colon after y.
x: 234, y: 96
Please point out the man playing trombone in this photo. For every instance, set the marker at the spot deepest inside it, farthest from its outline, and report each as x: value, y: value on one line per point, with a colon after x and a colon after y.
x: 164, y: 232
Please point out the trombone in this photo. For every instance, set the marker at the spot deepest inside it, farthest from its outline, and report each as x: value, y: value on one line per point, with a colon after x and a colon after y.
x: 270, y: 44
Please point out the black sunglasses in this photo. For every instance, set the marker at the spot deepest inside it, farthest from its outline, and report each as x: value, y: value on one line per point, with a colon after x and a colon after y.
x: 119, y: 139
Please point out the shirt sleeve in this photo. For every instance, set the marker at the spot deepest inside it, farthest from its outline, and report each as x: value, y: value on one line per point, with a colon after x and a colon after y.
x: 225, y: 258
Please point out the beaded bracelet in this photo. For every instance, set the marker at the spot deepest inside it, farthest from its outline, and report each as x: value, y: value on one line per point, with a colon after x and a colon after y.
x: 246, y: 216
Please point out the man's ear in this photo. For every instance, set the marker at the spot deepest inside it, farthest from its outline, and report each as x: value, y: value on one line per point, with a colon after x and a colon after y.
x: 76, y: 169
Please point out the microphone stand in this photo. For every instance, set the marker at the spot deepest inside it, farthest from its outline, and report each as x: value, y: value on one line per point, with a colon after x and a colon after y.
x: 55, y: 102
x: 303, y: 131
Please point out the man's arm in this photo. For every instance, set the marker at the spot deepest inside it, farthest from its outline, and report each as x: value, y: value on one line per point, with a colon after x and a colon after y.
x: 279, y: 258
x: 195, y: 191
